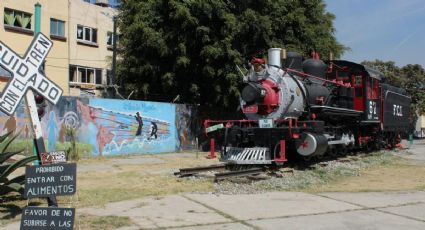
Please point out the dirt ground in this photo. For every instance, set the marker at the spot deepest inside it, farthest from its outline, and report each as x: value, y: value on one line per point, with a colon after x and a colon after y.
x: 124, y: 178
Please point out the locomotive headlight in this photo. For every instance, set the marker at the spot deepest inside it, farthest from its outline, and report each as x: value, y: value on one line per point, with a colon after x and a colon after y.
x: 252, y: 92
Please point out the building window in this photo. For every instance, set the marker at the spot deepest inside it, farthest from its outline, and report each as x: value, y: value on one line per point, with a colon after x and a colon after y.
x: 57, y: 27
x: 87, y: 34
x: 17, y: 19
x: 110, y: 38
x: 79, y: 74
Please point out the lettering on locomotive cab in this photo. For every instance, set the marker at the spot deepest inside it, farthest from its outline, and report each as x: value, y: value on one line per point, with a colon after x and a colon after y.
x: 397, y: 110
x: 372, y: 110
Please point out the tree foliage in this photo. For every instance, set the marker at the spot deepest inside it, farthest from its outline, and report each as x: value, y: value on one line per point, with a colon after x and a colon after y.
x: 190, y: 48
x: 410, y: 77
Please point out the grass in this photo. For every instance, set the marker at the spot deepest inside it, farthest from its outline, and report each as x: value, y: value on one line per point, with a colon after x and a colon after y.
x: 85, y: 221
x: 84, y: 149
x: 135, y: 181
x: 394, y: 177
x: 380, y: 171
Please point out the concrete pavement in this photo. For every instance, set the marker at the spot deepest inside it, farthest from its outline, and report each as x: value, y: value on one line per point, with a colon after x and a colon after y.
x: 274, y: 210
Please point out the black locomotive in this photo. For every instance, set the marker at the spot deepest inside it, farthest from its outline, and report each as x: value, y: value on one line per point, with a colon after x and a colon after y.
x: 308, y: 108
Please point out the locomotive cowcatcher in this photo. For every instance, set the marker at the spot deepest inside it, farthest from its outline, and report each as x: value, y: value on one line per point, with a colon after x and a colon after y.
x: 307, y: 108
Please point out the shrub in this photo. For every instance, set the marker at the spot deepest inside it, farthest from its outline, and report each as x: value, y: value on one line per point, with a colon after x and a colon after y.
x: 6, y: 169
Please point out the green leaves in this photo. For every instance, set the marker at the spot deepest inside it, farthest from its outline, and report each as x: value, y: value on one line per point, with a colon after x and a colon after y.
x: 12, y: 167
x: 23, y: 20
x: 6, y: 169
x: 6, y: 140
x: 9, y: 17
x: 190, y: 48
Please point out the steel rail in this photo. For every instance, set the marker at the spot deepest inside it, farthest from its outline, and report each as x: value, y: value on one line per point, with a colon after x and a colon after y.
x: 247, y: 172
x: 191, y: 171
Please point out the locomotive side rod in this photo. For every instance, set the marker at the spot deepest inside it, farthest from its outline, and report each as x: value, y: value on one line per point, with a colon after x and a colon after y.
x: 191, y: 171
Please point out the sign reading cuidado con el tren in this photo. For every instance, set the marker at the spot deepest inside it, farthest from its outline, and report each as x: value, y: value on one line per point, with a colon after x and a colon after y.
x: 26, y: 74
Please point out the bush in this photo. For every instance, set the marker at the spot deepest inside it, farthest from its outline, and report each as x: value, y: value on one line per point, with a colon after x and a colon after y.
x: 6, y: 169
x: 72, y: 151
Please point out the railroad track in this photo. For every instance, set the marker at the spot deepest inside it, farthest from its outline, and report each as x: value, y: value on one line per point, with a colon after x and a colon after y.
x: 183, y: 172
x: 246, y: 172
x: 195, y: 170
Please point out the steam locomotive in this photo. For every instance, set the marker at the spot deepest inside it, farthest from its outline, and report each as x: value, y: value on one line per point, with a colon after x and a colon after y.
x: 308, y: 108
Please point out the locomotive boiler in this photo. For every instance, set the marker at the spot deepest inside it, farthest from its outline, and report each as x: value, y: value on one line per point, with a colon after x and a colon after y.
x: 306, y: 108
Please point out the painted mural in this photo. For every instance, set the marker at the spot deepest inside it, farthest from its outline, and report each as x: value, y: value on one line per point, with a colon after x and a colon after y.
x: 106, y: 127
x: 126, y: 127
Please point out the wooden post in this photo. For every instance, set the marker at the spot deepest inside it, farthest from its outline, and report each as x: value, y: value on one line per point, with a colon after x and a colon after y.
x: 33, y: 114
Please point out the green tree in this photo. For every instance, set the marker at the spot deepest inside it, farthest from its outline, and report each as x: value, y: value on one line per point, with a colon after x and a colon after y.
x: 190, y: 48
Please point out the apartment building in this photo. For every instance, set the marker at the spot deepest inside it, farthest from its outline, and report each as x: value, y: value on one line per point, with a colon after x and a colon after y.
x: 81, y: 31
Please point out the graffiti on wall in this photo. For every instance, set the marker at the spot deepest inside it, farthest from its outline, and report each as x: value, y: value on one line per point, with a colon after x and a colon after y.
x: 110, y: 127
x: 187, y: 127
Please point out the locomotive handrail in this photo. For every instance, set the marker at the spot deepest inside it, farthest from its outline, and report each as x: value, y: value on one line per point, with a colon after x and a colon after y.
x: 348, y: 85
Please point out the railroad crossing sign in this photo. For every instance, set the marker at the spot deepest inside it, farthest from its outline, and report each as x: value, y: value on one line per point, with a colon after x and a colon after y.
x: 26, y: 74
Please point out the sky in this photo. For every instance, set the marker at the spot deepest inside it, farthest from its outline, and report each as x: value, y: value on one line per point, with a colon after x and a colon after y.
x: 389, y: 30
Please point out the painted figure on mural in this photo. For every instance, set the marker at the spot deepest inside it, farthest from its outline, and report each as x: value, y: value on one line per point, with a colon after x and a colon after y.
x: 52, y: 129
x: 27, y: 131
x: 87, y: 113
x: 10, y: 124
x: 154, y: 130
x: 103, y: 137
x: 140, y: 124
x: 62, y: 132
x: 88, y: 125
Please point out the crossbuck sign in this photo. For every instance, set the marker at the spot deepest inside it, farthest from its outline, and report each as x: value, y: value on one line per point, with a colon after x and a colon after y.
x: 26, y: 74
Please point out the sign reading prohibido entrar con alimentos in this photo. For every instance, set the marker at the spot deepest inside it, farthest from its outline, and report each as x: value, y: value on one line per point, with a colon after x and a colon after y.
x: 50, y: 180
x: 47, y: 218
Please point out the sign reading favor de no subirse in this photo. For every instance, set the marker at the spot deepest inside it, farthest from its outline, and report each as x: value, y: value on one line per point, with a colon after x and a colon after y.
x: 34, y: 218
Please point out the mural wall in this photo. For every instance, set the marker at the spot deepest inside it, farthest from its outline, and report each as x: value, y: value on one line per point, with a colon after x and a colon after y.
x: 106, y: 127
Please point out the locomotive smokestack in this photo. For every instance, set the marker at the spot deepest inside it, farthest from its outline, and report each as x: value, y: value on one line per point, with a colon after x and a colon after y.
x: 274, y: 57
